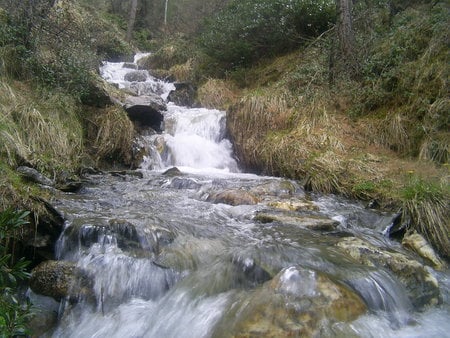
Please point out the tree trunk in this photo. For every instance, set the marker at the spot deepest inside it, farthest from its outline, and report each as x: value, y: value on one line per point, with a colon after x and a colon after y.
x: 131, y: 19
x: 346, y: 37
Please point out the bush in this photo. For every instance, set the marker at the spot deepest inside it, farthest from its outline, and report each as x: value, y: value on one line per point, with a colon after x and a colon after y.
x: 249, y: 30
x: 13, y: 315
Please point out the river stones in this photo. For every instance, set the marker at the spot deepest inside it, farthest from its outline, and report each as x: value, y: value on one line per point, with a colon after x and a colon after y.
x: 421, y: 286
x: 312, y: 222
x: 297, y: 302
x: 136, y: 76
x: 61, y: 279
x: 419, y: 244
x: 233, y: 197
x: 294, y: 205
x: 35, y: 176
x: 279, y: 188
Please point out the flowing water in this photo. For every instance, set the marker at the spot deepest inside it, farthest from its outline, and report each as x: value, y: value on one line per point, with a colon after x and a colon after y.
x: 166, y: 261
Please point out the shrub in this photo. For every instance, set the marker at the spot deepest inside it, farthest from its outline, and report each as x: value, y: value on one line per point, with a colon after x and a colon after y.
x: 13, y: 315
x: 249, y: 30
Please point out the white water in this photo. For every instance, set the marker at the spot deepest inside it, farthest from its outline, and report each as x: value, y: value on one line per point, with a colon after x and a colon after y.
x: 193, y: 137
x: 176, y: 276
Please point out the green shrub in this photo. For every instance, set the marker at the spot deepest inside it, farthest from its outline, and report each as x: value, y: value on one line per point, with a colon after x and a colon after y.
x: 249, y: 30
x: 13, y: 314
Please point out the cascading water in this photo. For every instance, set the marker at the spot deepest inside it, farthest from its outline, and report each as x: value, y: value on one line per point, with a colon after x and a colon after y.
x: 167, y: 257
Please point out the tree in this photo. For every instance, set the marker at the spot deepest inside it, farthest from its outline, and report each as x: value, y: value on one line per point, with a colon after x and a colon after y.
x: 131, y: 19
x: 346, y: 36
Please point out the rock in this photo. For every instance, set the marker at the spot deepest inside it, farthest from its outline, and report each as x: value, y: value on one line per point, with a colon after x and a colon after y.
x: 297, y: 302
x: 35, y: 176
x: 174, y: 171
x: 311, y: 222
x: 184, y: 183
x: 419, y: 244
x: 279, y: 188
x: 61, y: 279
x: 130, y: 65
x: 421, y: 286
x: 183, y: 95
x: 136, y: 76
x: 146, y: 110
x: 294, y: 205
x: 233, y: 197
x: 147, y: 88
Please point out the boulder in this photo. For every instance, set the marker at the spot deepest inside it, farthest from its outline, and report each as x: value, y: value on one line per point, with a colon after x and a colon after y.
x: 312, y: 222
x: 136, y: 76
x: 297, y: 302
x: 61, y: 279
x: 233, y: 197
x: 35, y: 176
x: 294, y: 205
x: 130, y: 65
x: 419, y: 244
x: 183, y: 95
x: 146, y: 111
x: 421, y: 286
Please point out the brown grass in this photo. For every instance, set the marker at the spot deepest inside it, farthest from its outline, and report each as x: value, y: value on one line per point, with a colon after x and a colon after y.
x: 112, y: 133
x: 216, y: 94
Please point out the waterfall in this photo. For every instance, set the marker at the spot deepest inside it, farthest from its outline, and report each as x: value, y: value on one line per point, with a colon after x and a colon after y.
x: 193, y: 138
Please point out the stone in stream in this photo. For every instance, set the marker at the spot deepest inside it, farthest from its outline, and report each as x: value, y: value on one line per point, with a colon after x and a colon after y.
x: 233, y: 197
x: 146, y: 110
x: 421, y: 286
x: 61, y: 279
x: 183, y: 95
x: 297, y: 302
x: 136, y: 76
x: 417, y: 243
x: 312, y: 222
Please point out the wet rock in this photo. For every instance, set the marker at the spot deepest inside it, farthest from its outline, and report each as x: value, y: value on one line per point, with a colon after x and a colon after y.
x: 421, y: 286
x: 297, y: 302
x: 184, y: 183
x: 35, y: 176
x: 183, y: 95
x: 130, y: 65
x: 294, y: 205
x: 419, y: 244
x: 311, y: 222
x: 279, y: 188
x: 233, y: 197
x: 174, y: 171
x: 146, y: 110
x: 248, y: 273
x: 136, y: 76
x: 60, y: 279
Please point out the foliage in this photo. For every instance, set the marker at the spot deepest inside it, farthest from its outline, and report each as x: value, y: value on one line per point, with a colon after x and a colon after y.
x: 13, y: 315
x: 249, y: 30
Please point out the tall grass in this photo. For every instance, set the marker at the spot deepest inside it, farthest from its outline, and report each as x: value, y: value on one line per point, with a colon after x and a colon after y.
x: 43, y: 132
x: 427, y: 205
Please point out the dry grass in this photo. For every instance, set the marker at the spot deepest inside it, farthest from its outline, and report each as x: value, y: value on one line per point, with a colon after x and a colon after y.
x: 182, y: 72
x: 216, y: 94
x: 42, y: 134
x: 112, y: 133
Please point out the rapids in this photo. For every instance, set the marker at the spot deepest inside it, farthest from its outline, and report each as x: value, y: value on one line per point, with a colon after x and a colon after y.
x: 168, y: 261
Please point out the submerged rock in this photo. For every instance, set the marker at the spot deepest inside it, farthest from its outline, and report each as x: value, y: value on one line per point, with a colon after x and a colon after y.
x: 233, y: 197
x: 297, y: 302
x: 421, y: 286
x: 311, y: 222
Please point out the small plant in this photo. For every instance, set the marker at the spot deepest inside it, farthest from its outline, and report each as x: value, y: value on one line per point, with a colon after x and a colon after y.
x: 13, y: 314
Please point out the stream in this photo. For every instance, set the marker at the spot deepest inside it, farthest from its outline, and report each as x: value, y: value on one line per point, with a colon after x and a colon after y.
x: 209, y: 251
